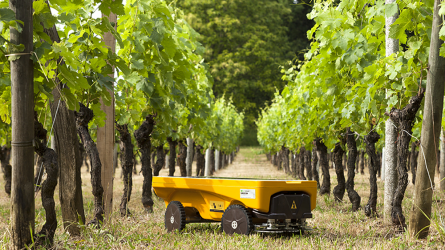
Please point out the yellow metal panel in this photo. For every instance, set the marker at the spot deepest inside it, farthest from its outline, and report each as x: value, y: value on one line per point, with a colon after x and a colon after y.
x: 201, y: 193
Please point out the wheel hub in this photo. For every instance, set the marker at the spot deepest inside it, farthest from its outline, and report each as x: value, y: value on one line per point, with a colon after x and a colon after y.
x: 234, y: 224
x: 172, y: 219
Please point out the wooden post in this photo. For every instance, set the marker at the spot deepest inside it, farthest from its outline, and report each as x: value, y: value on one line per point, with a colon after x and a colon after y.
x: 207, y: 163
x: 442, y: 163
x: 420, y: 217
x: 391, y: 135
x: 22, y: 120
x: 383, y: 164
x: 189, y: 159
x: 217, y: 160
x: 105, y: 134
x: 116, y: 148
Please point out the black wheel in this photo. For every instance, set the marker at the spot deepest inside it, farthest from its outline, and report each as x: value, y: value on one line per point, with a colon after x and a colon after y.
x: 174, y: 216
x: 236, y: 219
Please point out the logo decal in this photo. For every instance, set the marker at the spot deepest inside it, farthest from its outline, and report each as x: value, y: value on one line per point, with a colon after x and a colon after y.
x: 247, y: 194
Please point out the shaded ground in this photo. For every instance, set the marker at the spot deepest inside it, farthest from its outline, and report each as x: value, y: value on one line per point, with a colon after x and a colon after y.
x: 335, y: 227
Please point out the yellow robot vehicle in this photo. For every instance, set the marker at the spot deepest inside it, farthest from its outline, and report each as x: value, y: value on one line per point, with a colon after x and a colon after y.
x: 241, y: 205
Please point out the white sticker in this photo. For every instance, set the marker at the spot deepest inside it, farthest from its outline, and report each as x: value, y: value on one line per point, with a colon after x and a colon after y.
x: 247, y: 193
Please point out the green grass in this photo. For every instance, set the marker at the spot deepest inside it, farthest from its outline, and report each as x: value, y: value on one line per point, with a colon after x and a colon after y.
x: 334, y: 225
x: 251, y: 153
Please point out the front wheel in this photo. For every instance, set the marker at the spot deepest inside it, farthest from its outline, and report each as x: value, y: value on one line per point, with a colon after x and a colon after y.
x: 236, y: 219
x: 174, y: 216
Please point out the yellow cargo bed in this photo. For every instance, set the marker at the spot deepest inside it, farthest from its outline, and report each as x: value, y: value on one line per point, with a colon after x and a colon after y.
x: 273, y: 204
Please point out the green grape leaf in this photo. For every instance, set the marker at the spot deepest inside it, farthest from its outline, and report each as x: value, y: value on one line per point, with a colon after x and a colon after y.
x: 38, y: 6
x: 146, y: 86
x: 442, y: 50
x: 7, y: 15
x: 71, y: 100
x: 156, y: 37
x: 391, y: 9
x: 169, y: 46
x: 105, y: 81
x: 122, y: 66
x: 113, y: 31
x: 137, y: 64
x: 72, y: 78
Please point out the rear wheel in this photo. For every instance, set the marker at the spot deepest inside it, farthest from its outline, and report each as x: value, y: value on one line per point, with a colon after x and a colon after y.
x: 174, y: 216
x: 236, y: 219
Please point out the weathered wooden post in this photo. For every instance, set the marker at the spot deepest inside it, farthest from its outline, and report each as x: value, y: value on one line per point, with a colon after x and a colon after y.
x: 22, y: 120
x: 392, y: 46
x: 105, y: 134
x: 189, y: 159
x: 217, y: 160
x: 420, y: 217
x: 383, y: 164
x: 207, y: 163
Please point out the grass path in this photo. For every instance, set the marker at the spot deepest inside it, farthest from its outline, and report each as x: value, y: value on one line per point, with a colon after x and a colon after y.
x: 335, y: 227
x: 250, y: 163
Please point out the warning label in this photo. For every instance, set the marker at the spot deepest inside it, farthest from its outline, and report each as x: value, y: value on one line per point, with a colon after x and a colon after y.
x: 217, y: 206
x: 247, y: 193
x: 294, y: 205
